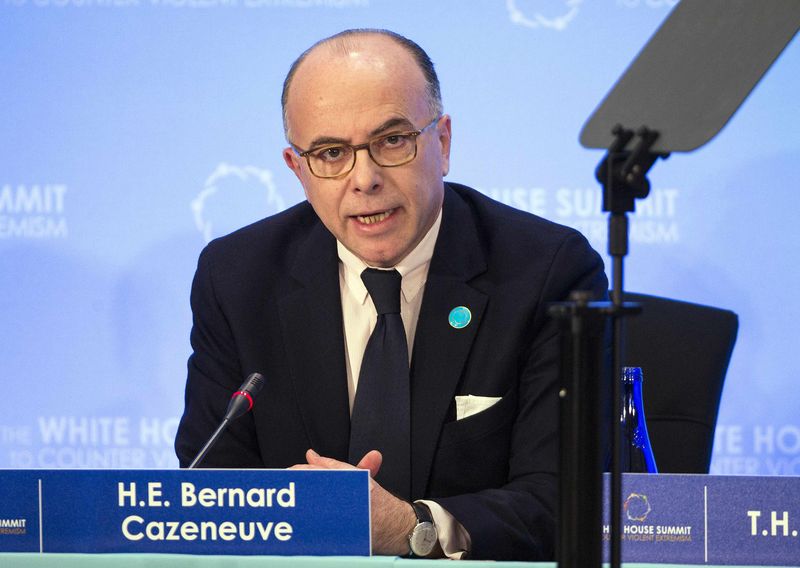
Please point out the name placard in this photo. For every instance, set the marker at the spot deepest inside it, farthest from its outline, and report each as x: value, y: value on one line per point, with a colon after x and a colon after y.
x: 709, y: 519
x: 269, y: 512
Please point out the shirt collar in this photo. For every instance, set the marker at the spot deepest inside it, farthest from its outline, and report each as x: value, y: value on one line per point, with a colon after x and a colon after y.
x: 413, y: 268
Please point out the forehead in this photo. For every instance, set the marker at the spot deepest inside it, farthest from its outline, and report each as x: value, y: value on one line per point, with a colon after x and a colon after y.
x: 346, y: 88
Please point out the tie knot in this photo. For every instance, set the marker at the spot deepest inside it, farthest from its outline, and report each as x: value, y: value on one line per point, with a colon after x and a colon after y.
x: 384, y: 289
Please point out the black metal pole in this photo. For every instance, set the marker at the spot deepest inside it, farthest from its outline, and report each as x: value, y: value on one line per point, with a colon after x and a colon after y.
x: 617, y: 248
x: 583, y: 383
x: 211, y: 441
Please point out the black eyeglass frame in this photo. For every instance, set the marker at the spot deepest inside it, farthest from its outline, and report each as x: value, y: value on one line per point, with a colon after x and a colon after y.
x: 366, y: 146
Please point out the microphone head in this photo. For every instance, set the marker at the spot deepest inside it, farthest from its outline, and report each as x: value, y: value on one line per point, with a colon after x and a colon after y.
x: 253, y: 383
x: 242, y: 400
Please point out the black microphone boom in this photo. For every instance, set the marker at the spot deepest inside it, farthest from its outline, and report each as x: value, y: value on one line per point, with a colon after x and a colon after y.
x: 241, y: 403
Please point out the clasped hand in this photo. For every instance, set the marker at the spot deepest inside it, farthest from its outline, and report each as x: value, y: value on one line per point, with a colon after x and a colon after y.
x: 392, y: 518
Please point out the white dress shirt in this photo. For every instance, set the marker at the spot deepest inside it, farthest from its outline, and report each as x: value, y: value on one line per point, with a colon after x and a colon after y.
x: 359, y: 317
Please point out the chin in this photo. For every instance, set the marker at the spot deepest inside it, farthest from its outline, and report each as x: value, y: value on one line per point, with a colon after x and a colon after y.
x: 380, y: 260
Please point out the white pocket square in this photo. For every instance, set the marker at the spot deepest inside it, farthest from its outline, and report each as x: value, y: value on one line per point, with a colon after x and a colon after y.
x: 469, y: 405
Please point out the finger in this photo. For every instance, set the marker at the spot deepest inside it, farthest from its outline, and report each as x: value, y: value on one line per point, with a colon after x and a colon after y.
x: 371, y: 461
x: 326, y: 463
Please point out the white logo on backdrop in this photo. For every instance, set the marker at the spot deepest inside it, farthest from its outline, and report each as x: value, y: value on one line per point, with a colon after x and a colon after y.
x: 656, y: 220
x: 553, y: 14
x: 119, y: 442
x: 234, y: 196
x: 33, y: 211
x: 760, y: 449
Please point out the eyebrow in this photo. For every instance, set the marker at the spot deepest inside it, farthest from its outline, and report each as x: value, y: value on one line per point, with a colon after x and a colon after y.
x: 324, y: 140
x: 392, y: 123
x: 386, y: 125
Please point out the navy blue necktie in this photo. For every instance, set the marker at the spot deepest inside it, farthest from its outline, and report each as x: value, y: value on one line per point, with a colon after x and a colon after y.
x: 381, y: 418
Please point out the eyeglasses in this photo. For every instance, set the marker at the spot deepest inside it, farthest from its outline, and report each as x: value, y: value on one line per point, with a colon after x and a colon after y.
x: 388, y: 151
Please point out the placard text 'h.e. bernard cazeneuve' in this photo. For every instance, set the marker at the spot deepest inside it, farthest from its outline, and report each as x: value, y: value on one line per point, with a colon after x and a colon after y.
x: 135, y: 527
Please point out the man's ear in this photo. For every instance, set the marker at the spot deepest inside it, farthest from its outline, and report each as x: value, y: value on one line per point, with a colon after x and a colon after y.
x: 292, y: 160
x: 445, y: 133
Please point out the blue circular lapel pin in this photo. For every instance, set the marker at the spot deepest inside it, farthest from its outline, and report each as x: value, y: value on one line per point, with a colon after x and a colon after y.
x: 459, y: 317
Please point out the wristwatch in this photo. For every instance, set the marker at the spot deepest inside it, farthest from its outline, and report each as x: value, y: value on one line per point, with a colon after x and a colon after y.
x: 423, y: 538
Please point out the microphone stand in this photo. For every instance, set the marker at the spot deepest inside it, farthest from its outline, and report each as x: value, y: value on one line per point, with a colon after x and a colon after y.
x: 623, y: 175
x: 240, y: 404
x: 210, y: 443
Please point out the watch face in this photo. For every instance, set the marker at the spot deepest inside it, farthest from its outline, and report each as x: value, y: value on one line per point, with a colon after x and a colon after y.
x: 423, y: 539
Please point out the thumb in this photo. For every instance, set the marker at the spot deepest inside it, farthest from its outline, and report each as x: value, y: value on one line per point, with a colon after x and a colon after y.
x: 371, y: 461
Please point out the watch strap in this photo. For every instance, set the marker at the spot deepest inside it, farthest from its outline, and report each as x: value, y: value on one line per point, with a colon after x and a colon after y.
x: 422, y: 512
x: 424, y: 526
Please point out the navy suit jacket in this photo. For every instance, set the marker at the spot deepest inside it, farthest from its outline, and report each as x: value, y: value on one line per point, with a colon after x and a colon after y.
x: 266, y: 298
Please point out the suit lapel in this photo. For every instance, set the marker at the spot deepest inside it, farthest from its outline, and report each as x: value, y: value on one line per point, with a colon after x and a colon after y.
x: 311, y: 319
x: 441, y: 351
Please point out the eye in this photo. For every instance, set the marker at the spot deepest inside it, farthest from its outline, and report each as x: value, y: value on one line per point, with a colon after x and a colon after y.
x: 330, y: 153
x: 392, y: 141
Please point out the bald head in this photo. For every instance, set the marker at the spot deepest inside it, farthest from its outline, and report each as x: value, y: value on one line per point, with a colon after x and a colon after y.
x: 351, y: 42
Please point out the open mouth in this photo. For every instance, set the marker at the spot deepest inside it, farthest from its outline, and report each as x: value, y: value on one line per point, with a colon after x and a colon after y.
x: 374, y: 218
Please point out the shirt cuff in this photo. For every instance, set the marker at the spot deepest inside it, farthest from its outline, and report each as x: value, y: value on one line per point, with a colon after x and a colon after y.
x: 453, y: 537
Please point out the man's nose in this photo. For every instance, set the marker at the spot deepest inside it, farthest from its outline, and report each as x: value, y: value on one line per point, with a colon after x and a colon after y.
x: 366, y: 175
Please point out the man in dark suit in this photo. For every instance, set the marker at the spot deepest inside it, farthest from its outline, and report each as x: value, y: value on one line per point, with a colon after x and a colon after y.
x: 283, y: 297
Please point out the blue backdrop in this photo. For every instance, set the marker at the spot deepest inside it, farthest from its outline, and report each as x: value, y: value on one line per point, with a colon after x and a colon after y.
x: 133, y: 131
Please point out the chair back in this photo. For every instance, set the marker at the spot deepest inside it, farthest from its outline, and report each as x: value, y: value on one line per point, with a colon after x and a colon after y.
x: 684, y: 350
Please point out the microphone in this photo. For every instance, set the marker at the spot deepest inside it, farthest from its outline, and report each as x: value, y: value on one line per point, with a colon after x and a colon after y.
x: 240, y: 404
x: 242, y: 400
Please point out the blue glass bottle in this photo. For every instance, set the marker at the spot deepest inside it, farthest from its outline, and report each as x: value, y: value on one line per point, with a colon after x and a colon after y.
x: 637, y: 452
